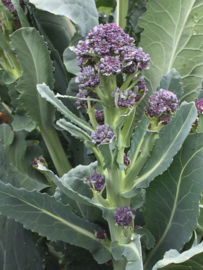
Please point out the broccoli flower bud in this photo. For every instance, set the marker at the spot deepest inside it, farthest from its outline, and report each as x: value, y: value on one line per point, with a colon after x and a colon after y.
x: 162, y: 105
x: 109, y: 65
x: 126, y: 160
x: 88, y: 79
x: 39, y: 160
x: 111, y: 50
x: 102, y: 134
x: 99, y: 115
x: 124, y: 216
x: 142, y: 88
x: 125, y: 99
x: 100, y: 234
x: 96, y: 181
x: 199, y: 107
x: 85, y: 94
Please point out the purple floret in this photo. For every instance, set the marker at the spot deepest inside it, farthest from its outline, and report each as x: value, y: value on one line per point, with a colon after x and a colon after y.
x: 88, y: 79
x: 163, y: 102
x: 99, y: 115
x: 109, y: 65
x: 199, y: 105
x: 85, y: 94
x: 124, y: 216
x: 125, y: 99
x: 101, y: 235
x: 111, y: 50
x: 39, y: 160
x: 96, y: 181
x: 103, y: 134
x: 126, y: 160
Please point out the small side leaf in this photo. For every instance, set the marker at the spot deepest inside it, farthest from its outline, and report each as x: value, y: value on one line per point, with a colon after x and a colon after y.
x: 21, y: 15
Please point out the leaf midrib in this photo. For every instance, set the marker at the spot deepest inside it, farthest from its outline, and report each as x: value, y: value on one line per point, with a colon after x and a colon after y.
x: 145, y: 176
x: 173, y: 210
x: 74, y: 227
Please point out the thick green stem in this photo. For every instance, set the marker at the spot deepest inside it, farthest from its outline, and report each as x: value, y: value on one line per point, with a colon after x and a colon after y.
x: 121, y: 13
x: 56, y: 150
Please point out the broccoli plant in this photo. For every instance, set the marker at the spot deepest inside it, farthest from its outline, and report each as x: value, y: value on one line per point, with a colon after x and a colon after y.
x: 135, y: 201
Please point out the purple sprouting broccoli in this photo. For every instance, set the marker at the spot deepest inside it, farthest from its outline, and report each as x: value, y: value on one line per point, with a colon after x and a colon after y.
x: 88, y: 79
x: 142, y: 88
x: 99, y: 116
x: 125, y: 99
x: 85, y: 94
x: 109, y: 65
x: 162, y: 105
x: 199, y: 106
x: 39, y: 160
x: 100, y: 234
x: 103, y: 134
x: 124, y: 216
x: 9, y: 5
x: 96, y: 181
x: 126, y: 160
x: 109, y: 49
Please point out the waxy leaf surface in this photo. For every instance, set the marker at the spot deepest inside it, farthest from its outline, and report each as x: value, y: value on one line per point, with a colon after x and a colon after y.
x: 172, y: 200
x: 43, y: 214
x: 173, y: 36
x: 82, y: 13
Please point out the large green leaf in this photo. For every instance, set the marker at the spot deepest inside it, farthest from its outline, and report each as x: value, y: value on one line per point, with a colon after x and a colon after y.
x: 166, y: 146
x: 35, y: 61
x: 43, y: 214
x: 20, y: 153
x: 172, y: 200
x: 82, y: 13
x: 17, y: 249
x: 191, y: 259
x: 173, y: 37
x: 172, y: 82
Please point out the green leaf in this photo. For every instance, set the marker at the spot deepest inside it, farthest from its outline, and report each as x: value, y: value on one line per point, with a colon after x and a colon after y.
x: 21, y: 15
x: 22, y: 122
x: 200, y: 124
x: 172, y: 82
x: 70, y: 62
x: 173, y: 37
x: 8, y: 174
x: 73, y: 130
x: 137, y: 138
x: 82, y: 13
x: 167, y: 145
x: 172, y: 200
x: 20, y: 153
x: 17, y: 249
x: 72, y: 184
x: 191, y: 259
x: 46, y: 93
x: 43, y: 214
x: 109, y: 153
x: 146, y: 237
x: 132, y: 252
x: 31, y: 49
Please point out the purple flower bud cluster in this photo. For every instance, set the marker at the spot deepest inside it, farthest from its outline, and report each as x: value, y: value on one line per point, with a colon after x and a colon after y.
x: 199, y: 105
x: 99, y: 115
x: 124, y: 216
x: 142, y: 88
x: 102, y: 134
x: 109, y: 65
x: 125, y: 99
x: 88, y: 79
x: 9, y: 5
x: 39, y: 160
x: 85, y: 94
x: 126, y: 160
x: 100, y: 234
x: 96, y: 181
x: 162, y: 103
x: 110, y: 50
